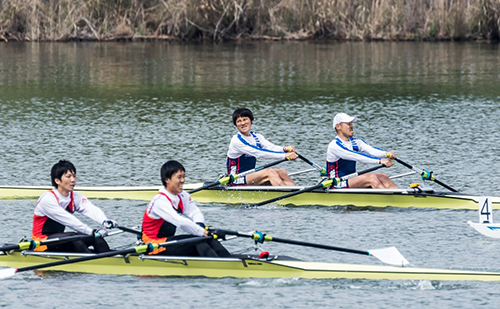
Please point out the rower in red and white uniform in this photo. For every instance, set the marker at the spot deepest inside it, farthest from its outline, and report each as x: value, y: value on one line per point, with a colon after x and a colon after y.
x: 55, y: 210
x: 172, y: 207
x: 345, y: 150
x: 247, y: 146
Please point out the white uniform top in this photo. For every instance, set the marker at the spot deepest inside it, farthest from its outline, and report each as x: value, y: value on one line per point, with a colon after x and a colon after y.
x: 161, y: 207
x: 340, y: 149
x: 48, y: 206
x: 249, y: 145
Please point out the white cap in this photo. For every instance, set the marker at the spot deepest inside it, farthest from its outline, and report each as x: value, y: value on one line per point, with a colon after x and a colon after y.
x: 343, y: 117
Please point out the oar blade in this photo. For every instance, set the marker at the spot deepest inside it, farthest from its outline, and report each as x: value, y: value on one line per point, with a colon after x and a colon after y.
x: 390, y: 256
x: 7, y: 272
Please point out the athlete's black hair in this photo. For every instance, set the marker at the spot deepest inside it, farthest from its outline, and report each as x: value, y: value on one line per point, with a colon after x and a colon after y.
x: 242, y: 112
x: 59, y: 169
x: 168, y: 169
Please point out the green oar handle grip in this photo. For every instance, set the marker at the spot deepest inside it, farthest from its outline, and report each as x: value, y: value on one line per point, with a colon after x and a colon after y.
x: 259, y: 237
x: 422, y: 174
x: 426, y: 175
x: 228, y: 179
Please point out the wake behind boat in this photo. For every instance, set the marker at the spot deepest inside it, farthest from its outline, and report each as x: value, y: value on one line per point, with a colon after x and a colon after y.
x: 425, y: 197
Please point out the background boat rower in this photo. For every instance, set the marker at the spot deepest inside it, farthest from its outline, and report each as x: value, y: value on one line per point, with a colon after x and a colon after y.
x: 345, y: 150
x: 247, y: 146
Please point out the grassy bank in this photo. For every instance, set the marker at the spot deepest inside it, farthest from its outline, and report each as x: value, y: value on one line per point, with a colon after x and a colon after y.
x: 220, y: 20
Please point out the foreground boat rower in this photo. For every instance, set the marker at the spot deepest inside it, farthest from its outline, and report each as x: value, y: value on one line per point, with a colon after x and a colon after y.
x: 244, y: 267
x: 412, y: 197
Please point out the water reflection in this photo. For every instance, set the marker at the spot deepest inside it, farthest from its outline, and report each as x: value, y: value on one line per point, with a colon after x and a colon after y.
x: 119, y: 110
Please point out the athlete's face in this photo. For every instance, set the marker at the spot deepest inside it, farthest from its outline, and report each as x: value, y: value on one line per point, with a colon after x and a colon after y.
x: 176, y: 182
x: 66, y: 183
x: 244, y: 125
x: 345, y: 129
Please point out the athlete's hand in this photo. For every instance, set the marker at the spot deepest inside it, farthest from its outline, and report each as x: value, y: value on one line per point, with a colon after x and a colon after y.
x: 289, y: 148
x: 291, y: 155
x: 100, y: 233
x: 390, y: 155
x: 386, y: 162
x: 109, y: 224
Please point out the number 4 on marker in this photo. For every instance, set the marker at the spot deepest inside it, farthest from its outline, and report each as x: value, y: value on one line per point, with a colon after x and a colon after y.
x: 485, y: 213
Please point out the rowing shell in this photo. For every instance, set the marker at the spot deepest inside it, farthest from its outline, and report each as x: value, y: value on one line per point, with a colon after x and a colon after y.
x: 412, y: 197
x: 237, y: 268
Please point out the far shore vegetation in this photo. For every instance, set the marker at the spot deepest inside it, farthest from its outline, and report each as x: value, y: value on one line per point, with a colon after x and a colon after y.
x: 235, y: 20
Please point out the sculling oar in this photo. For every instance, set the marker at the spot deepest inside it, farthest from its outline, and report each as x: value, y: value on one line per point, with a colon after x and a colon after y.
x: 321, y: 170
x: 327, y: 183
x: 232, y: 177
x: 32, y: 244
x: 146, y: 248
x: 389, y: 255
x: 426, y: 175
x: 302, y: 172
x: 129, y: 230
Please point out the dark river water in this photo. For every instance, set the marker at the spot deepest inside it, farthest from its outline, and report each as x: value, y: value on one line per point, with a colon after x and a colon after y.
x: 119, y: 111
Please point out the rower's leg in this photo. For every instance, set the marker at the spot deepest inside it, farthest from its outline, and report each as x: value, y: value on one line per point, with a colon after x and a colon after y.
x: 180, y: 250
x: 274, y: 177
x: 386, y: 181
x: 100, y: 245
x: 73, y: 246
x: 204, y: 249
x: 365, y: 181
x: 218, y: 248
x: 375, y: 181
x: 287, y: 181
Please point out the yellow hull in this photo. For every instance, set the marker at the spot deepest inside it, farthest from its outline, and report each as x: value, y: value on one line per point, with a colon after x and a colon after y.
x: 242, y: 268
x: 250, y: 195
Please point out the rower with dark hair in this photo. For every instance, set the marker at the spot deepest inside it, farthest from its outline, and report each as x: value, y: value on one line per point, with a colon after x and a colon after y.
x: 247, y: 146
x: 172, y: 207
x: 54, y: 212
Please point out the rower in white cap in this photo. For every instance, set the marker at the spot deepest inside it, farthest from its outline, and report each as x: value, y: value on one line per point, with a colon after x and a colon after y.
x: 345, y: 150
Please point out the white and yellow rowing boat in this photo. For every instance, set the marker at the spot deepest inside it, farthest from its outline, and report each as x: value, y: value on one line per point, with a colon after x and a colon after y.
x: 241, y: 267
x: 411, y: 197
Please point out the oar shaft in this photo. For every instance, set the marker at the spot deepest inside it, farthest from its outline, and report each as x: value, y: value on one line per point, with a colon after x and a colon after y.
x: 76, y: 260
x: 138, y: 249
x: 314, y: 245
x: 316, y: 166
x: 25, y: 245
x: 445, y: 185
x: 288, y: 195
x: 130, y: 230
x: 263, y: 167
x: 301, y: 172
x: 325, y: 184
x: 227, y: 179
x: 368, y: 170
x: 293, y: 242
x: 421, y: 173
x: 406, y: 165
